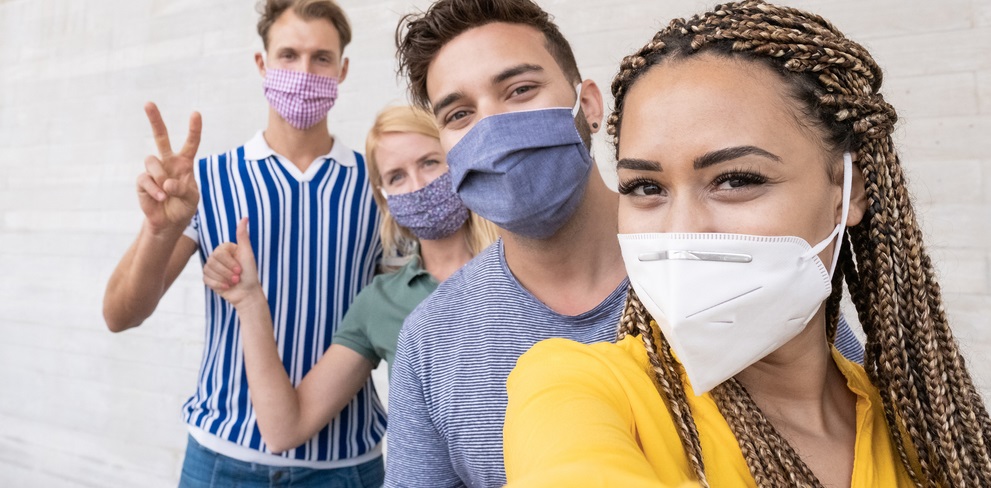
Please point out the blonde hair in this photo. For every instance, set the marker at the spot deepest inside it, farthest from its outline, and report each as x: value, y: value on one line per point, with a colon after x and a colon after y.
x: 397, y: 241
x: 931, y: 407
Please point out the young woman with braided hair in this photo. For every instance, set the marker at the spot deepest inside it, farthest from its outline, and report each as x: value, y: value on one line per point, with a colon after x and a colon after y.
x: 744, y: 135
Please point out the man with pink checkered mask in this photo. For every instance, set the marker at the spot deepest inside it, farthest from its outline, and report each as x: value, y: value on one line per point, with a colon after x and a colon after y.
x: 313, y: 224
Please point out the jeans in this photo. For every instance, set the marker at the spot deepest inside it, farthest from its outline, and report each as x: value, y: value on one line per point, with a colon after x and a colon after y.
x: 204, y: 468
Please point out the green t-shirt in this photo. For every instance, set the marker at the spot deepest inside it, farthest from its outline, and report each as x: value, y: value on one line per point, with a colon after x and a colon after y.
x: 371, y: 326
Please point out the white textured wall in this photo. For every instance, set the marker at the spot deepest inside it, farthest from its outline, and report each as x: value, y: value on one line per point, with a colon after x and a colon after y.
x: 82, y: 407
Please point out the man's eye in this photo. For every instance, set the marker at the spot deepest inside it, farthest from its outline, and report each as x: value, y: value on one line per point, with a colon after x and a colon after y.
x: 460, y: 114
x: 523, y: 89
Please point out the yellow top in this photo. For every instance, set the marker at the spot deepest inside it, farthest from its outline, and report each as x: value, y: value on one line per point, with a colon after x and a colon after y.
x: 591, y: 415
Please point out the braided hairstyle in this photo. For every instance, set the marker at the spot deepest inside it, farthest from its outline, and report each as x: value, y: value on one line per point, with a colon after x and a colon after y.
x: 935, y: 415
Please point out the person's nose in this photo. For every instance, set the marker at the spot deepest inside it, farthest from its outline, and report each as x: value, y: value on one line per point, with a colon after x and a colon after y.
x: 310, y: 65
x: 419, y: 180
x: 687, y: 214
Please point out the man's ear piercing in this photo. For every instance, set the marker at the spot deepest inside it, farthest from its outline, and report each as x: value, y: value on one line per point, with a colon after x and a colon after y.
x: 595, y: 125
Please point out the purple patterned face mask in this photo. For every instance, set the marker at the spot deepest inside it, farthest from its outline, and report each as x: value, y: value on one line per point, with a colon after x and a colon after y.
x: 432, y: 212
x: 303, y: 99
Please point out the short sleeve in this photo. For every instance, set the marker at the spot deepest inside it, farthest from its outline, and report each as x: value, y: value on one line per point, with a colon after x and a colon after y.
x: 418, y: 452
x: 192, y: 230
x: 352, y: 333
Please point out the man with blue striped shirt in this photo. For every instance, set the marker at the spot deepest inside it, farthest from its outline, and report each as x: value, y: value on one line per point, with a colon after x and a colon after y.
x: 517, y: 127
x: 313, y: 224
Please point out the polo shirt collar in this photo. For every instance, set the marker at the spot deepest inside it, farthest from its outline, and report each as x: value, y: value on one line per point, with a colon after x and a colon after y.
x: 258, y: 149
x: 414, y: 268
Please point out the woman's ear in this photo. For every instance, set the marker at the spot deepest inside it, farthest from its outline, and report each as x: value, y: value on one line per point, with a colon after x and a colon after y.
x: 858, y: 197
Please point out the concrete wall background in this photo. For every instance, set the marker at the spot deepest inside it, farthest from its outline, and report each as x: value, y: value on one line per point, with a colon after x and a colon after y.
x: 82, y: 407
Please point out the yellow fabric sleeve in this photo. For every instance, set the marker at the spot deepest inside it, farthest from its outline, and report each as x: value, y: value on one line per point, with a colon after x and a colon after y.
x: 569, y: 421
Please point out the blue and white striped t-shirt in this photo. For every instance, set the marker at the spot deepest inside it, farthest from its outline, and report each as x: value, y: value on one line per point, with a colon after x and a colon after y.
x: 315, y: 236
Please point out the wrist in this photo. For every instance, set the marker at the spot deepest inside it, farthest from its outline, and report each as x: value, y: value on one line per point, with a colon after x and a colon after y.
x: 166, y: 231
x: 253, y: 302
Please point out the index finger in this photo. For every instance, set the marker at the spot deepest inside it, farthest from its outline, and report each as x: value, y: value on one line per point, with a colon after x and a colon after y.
x: 158, y: 130
x: 193, y: 139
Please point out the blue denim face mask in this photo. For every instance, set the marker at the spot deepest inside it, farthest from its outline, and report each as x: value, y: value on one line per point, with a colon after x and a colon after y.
x: 524, y: 171
x: 432, y: 212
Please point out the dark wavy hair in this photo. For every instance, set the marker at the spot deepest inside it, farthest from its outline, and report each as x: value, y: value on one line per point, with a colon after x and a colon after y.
x: 420, y: 35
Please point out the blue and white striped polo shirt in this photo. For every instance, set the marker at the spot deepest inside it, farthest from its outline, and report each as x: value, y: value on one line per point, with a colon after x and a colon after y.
x: 315, y: 236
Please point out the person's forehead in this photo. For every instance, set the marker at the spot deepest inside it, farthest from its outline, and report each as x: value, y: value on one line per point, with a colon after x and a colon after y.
x: 477, y: 55
x: 395, y: 148
x: 318, y: 32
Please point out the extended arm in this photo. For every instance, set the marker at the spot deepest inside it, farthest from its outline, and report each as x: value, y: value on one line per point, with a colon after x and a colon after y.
x: 569, y: 422
x: 168, y: 196
x: 287, y: 416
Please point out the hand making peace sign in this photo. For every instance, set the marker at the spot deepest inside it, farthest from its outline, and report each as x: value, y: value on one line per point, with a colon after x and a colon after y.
x: 167, y: 189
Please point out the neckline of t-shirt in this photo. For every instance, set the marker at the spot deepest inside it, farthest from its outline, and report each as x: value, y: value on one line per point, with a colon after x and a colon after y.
x: 597, y: 309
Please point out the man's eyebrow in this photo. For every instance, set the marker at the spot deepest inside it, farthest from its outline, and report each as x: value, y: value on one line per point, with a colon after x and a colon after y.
x: 638, y: 164
x: 499, y: 78
x: 444, y: 102
x: 514, y: 71
x: 730, y: 153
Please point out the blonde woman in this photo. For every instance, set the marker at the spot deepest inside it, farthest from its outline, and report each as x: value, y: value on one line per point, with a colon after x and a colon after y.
x: 757, y: 174
x: 424, y: 223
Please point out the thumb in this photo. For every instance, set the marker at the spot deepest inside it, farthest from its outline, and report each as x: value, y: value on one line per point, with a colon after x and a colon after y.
x: 243, y: 239
x: 245, y: 254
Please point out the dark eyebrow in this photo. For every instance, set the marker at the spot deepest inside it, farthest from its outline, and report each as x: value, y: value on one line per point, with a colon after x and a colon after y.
x: 638, y: 164
x: 499, y: 78
x: 444, y: 102
x: 514, y: 71
x: 730, y: 153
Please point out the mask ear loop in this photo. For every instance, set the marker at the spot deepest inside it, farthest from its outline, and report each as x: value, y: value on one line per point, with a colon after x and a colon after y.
x: 578, y: 102
x: 574, y: 113
x: 838, y: 230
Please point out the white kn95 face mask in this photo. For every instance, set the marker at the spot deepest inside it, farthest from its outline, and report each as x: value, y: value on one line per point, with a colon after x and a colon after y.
x: 725, y: 301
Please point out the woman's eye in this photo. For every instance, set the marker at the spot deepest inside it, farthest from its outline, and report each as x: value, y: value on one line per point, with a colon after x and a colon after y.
x: 395, y: 179
x: 430, y: 162
x: 732, y: 181
x: 640, y: 187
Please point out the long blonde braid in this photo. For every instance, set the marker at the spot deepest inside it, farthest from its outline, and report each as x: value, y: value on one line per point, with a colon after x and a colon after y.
x: 931, y: 406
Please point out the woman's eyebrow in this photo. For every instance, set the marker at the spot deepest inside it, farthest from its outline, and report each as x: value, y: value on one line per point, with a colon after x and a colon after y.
x: 429, y: 155
x: 638, y: 164
x: 731, y: 153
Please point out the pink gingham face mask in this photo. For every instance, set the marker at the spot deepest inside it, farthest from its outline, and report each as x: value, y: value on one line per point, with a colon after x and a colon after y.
x: 303, y: 99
